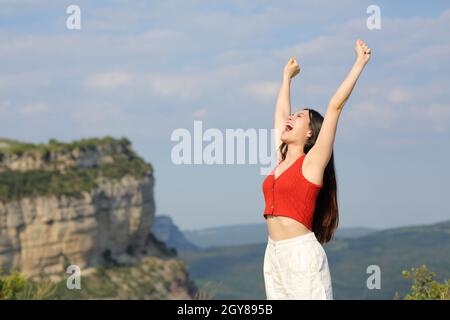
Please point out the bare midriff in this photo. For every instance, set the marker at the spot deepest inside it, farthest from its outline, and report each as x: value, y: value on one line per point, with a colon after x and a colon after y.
x: 281, y: 227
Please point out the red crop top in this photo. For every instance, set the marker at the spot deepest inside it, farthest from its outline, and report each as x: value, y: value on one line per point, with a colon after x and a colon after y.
x: 291, y: 194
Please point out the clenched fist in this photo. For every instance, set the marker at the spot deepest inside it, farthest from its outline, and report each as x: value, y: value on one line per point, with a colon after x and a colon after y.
x: 292, y: 68
x: 363, y: 52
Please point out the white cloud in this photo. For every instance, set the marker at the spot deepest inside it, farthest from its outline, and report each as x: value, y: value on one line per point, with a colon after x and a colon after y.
x: 200, y: 113
x: 400, y: 95
x: 238, y: 63
x: 371, y: 113
x: 24, y: 81
x: 183, y: 87
x: 5, y: 106
x: 263, y: 91
x: 34, y: 108
x: 317, y: 48
x: 395, y: 142
x: 438, y: 115
x: 108, y: 80
x: 96, y: 118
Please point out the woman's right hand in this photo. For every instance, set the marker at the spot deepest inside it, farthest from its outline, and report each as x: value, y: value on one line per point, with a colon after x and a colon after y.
x: 291, y: 69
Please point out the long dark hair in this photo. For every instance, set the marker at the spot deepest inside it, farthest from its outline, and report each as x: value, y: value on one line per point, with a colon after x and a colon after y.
x: 326, y: 214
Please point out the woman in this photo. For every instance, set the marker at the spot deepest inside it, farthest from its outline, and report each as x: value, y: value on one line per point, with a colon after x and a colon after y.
x: 301, y: 208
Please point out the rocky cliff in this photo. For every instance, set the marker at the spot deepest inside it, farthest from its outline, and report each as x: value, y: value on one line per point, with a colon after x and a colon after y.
x: 168, y: 232
x: 87, y: 203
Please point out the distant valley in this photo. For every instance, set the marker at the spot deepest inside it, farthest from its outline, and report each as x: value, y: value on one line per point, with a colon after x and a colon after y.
x: 230, y: 264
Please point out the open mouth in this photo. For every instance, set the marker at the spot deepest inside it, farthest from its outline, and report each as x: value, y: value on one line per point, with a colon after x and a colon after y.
x: 288, y: 127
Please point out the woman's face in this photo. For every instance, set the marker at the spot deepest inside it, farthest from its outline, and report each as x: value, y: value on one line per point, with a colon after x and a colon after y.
x: 296, y: 128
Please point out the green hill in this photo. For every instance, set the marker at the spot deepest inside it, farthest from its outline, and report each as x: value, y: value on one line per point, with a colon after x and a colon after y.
x: 235, y: 272
x: 248, y: 234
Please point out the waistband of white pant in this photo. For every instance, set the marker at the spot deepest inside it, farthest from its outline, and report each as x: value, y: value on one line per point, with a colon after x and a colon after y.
x: 290, y: 241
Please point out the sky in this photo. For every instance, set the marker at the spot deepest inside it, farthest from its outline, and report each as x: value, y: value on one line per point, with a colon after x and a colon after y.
x: 143, y: 69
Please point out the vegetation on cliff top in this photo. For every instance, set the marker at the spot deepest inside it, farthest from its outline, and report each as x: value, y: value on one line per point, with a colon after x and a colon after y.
x: 71, y: 182
x: 19, y: 148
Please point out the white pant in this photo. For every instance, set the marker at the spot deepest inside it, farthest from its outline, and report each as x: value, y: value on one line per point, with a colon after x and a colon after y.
x: 296, y: 268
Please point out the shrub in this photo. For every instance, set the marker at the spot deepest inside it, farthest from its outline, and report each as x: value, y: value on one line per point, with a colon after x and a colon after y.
x: 16, y: 287
x: 424, y: 286
x: 11, y: 285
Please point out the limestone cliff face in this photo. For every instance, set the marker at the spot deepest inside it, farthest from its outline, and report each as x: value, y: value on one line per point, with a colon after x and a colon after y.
x: 96, y: 209
x: 42, y: 234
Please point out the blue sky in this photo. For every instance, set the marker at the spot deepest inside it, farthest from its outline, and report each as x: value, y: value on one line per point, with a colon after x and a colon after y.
x: 144, y: 68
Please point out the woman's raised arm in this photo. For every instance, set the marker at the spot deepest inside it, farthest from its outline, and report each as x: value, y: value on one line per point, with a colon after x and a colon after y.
x: 363, y: 54
x: 283, y: 105
x: 320, y: 153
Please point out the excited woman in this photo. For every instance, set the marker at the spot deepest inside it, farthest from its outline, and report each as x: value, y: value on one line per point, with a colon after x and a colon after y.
x: 300, y: 193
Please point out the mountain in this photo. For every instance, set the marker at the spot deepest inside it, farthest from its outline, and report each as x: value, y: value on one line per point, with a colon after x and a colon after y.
x: 235, y: 272
x: 242, y: 234
x: 166, y: 231
x: 87, y: 203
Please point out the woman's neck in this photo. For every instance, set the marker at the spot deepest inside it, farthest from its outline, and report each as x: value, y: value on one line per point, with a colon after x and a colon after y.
x: 293, y: 153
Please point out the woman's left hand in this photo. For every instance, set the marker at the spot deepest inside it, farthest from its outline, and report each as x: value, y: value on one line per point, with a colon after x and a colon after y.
x: 363, y: 52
